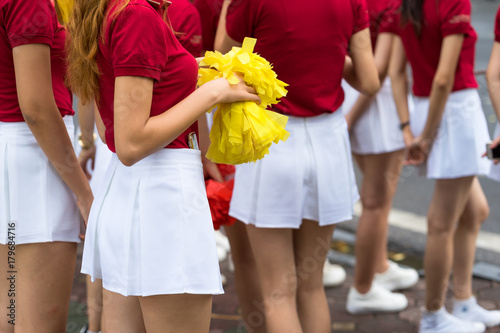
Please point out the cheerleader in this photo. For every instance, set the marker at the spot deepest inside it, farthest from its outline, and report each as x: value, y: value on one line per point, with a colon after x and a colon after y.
x: 42, y: 186
x: 378, y: 135
x: 149, y: 237
x: 493, y: 79
x: 450, y: 134
x: 292, y: 199
x: 186, y: 22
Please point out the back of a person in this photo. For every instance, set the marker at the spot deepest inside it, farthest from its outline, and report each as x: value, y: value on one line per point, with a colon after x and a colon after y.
x: 440, y: 19
x: 307, y: 44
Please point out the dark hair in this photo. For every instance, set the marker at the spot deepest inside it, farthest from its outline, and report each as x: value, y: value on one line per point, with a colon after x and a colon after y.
x: 412, y: 12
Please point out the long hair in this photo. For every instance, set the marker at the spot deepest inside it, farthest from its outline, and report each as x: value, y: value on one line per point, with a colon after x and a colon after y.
x: 412, y: 12
x: 85, y: 29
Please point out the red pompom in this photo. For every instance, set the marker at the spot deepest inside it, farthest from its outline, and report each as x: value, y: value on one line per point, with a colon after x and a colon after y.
x: 219, y: 197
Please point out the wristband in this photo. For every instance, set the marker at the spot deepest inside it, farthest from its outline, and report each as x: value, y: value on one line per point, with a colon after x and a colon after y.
x: 403, y: 125
x: 83, y: 145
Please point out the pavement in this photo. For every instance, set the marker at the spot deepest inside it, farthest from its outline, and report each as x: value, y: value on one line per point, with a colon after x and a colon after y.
x: 226, y: 313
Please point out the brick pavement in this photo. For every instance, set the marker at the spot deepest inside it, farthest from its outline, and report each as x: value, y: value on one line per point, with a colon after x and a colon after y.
x: 226, y: 319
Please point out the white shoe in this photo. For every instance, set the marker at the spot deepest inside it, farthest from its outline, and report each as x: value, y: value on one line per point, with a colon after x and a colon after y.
x: 469, y: 310
x: 397, y: 277
x: 443, y: 322
x: 221, y: 253
x: 333, y: 275
x: 377, y: 299
x: 222, y: 241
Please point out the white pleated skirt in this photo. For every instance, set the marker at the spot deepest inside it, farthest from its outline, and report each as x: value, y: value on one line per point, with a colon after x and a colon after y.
x: 377, y: 130
x: 462, y: 136
x: 101, y: 163
x: 495, y: 169
x: 150, y: 230
x: 32, y: 194
x: 310, y: 176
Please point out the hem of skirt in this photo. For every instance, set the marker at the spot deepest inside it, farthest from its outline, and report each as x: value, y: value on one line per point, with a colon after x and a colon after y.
x: 294, y: 226
x: 37, y: 239
x: 379, y: 152
x: 471, y: 174
x: 94, y: 277
x: 166, y: 292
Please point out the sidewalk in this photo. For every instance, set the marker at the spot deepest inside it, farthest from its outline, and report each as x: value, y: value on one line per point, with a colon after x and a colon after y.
x: 226, y: 318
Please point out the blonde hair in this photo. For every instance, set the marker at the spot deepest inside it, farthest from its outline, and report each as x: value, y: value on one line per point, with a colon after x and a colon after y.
x: 85, y: 29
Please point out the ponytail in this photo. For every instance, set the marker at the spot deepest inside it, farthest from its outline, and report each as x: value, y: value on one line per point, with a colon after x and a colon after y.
x: 85, y: 29
x: 412, y: 12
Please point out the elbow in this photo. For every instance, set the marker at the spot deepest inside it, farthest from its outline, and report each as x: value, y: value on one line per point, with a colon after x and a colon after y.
x: 443, y: 82
x: 372, y: 87
x: 128, y: 155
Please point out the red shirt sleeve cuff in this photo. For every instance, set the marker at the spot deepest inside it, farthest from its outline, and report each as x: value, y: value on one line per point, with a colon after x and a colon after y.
x: 153, y: 73
x: 497, y: 38
x: 36, y: 39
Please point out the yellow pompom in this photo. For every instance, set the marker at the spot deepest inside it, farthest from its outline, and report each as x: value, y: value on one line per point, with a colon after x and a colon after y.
x: 244, y: 131
x: 65, y: 8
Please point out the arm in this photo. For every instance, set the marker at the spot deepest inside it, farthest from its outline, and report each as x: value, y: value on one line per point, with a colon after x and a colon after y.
x: 493, y: 79
x: 382, y: 57
x: 442, y: 84
x: 362, y: 75
x: 210, y: 169
x: 36, y: 99
x: 86, y: 124
x: 224, y: 43
x: 138, y: 135
x: 399, y: 80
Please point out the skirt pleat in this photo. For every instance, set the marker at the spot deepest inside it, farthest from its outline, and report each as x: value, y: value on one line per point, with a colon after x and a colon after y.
x: 150, y: 230
x: 310, y: 176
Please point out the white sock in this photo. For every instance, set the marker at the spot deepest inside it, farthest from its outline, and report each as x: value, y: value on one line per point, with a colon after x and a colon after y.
x: 93, y: 331
x: 470, y: 300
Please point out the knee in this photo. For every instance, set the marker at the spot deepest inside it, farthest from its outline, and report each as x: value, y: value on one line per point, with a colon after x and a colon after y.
x: 483, y: 212
x: 440, y: 228
x: 374, y: 204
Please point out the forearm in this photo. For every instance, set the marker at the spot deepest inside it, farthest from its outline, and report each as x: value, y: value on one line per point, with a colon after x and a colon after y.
x: 399, y: 83
x: 360, y: 106
x: 159, y: 131
x: 437, y: 102
x: 50, y: 132
x: 222, y: 43
x: 86, y: 122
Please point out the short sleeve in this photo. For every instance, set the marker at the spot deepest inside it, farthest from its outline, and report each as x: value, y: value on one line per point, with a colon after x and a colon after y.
x: 497, y: 27
x: 389, y: 21
x: 138, y: 49
x: 240, y: 19
x: 455, y: 17
x: 29, y: 22
x: 361, y: 16
x: 188, y: 25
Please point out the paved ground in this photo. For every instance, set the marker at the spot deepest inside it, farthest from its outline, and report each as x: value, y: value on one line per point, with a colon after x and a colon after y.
x: 226, y: 318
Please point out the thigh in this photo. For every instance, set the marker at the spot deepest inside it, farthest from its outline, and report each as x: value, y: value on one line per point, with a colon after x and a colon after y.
x: 311, y: 245
x: 380, y: 174
x: 122, y: 313
x: 275, y: 261
x: 181, y: 313
x: 7, y: 292
x: 448, y: 202
x: 45, y: 276
x: 240, y: 244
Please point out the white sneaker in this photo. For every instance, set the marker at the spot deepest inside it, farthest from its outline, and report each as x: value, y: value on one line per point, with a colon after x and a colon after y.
x: 222, y: 241
x: 469, y: 310
x: 443, y: 322
x: 333, y: 275
x: 377, y: 299
x: 397, y: 277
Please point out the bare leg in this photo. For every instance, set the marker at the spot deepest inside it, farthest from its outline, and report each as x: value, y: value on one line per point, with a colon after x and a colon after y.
x: 311, y: 244
x: 94, y: 303
x: 44, y: 280
x: 274, y: 257
x: 184, y: 313
x: 448, y: 203
x: 381, y: 175
x: 5, y: 293
x: 246, y: 278
x: 475, y: 212
x: 123, y: 314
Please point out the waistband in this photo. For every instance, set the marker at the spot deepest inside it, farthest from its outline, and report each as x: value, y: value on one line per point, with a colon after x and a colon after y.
x: 326, y: 119
x: 168, y: 156
x: 21, y: 128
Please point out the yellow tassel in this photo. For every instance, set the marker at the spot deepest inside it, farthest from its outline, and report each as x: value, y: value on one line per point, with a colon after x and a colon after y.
x: 244, y: 131
x: 65, y: 8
